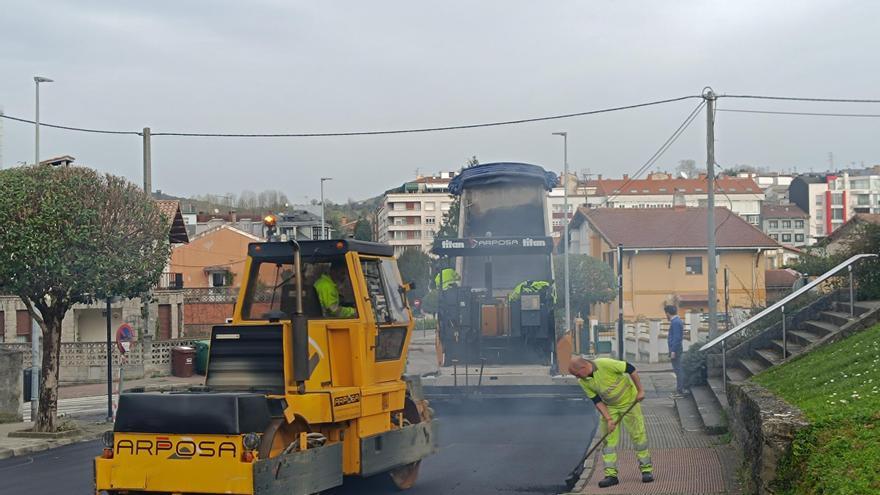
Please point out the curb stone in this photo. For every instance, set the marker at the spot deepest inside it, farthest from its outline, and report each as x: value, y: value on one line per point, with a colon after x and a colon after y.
x: 7, y: 453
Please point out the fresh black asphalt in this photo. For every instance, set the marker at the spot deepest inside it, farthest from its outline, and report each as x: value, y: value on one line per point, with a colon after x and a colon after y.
x: 516, y: 447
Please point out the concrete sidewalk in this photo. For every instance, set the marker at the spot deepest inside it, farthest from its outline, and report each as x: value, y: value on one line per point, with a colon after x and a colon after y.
x: 685, y: 462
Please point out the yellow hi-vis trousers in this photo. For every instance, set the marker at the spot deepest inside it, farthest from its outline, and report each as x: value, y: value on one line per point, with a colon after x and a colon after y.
x: 634, y: 423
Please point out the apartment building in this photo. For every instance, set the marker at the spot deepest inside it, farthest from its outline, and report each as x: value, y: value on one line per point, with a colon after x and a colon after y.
x: 832, y: 199
x: 741, y: 195
x: 410, y: 215
x: 577, y: 197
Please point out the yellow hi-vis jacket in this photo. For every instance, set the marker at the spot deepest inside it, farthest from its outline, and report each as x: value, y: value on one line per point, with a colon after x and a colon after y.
x: 328, y: 296
x: 610, y: 382
x: 449, y: 278
x: 530, y: 287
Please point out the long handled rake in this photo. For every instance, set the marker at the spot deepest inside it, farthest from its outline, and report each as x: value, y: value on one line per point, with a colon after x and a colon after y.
x: 575, y: 474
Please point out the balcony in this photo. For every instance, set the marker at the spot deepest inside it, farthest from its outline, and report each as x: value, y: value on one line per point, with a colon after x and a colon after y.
x: 170, y: 281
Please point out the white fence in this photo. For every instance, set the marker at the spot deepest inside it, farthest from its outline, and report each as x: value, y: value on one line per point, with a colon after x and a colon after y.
x: 84, y: 362
x: 645, y: 341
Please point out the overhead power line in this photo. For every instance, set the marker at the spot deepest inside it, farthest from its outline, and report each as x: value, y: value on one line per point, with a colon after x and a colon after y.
x: 799, y: 98
x: 657, y: 154
x: 814, y: 114
x: 371, y: 133
x: 69, y: 128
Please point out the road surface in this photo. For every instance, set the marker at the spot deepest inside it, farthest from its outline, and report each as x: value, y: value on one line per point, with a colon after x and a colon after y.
x: 513, y: 447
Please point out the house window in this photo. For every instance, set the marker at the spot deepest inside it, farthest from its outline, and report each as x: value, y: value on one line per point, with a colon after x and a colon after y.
x: 775, y: 237
x: 22, y: 325
x: 819, y: 200
x: 863, y: 199
x: 430, y: 205
x: 786, y: 224
x: 693, y: 265
x: 430, y: 221
x: 786, y: 237
x: 220, y: 278
x: 837, y: 199
x: 799, y: 238
x: 557, y: 222
x: 837, y: 214
x: 774, y: 224
x: 798, y: 224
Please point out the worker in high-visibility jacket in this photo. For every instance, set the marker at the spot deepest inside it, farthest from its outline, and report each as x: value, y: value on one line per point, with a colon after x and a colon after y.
x: 447, y: 278
x: 531, y: 287
x: 614, y: 387
x: 327, y: 288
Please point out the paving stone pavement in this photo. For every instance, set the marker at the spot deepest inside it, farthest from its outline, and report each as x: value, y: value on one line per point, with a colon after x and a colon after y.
x: 685, y: 462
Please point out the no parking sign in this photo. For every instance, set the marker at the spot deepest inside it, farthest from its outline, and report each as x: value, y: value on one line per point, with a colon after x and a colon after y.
x: 124, y: 338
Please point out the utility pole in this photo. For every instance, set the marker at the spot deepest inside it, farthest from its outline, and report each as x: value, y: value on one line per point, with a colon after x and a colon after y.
x: 148, y: 165
x: 323, y: 228
x: 109, y: 360
x: 148, y: 189
x: 709, y: 96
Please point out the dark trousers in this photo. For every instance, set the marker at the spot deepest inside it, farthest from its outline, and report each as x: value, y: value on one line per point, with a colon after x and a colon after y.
x: 679, y: 373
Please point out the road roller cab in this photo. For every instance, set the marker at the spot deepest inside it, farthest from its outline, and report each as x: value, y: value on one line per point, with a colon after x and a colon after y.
x: 304, y: 387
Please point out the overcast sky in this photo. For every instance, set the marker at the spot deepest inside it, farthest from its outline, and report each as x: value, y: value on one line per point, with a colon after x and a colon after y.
x: 283, y: 66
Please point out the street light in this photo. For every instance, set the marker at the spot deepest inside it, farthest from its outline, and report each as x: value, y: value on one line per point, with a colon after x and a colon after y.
x: 565, y: 228
x: 35, y: 328
x: 323, y: 231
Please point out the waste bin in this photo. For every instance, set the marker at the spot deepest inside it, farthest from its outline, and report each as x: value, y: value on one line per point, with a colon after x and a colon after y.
x: 182, y: 361
x: 202, y: 348
x: 26, y: 385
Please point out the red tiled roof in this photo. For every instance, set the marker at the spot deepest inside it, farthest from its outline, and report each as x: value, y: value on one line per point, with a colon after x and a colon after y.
x: 783, y: 211
x: 729, y: 185
x: 780, y: 278
x: 659, y: 228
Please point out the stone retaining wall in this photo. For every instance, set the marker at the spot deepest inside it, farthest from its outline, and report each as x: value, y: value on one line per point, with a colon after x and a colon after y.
x: 764, y: 427
x: 10, y: 386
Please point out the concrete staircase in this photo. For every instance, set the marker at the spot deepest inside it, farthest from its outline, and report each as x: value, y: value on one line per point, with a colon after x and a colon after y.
x: 706, y: 407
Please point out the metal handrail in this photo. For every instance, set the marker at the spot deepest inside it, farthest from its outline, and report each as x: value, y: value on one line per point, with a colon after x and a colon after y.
x: 825, y: 276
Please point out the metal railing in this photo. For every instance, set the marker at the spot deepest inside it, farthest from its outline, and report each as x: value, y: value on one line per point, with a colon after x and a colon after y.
x: 170, y: 280
x: 780, y: 306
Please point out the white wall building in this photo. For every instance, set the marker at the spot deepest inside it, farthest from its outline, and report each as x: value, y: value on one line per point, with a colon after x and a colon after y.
x: 741, y: 195
x: 410, y: 215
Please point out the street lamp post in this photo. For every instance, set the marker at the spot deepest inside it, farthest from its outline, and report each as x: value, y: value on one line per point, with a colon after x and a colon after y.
x: 323, y: 229
x: 565, y: 229
x: 35, y: 328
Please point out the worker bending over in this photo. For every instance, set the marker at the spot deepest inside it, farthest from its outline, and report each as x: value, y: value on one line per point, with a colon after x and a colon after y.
x: 614, y: 386
x: 327, y: 287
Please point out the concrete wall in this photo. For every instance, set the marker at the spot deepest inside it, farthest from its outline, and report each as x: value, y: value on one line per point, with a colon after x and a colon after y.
x: 764, y: 427
x: 10, y: 385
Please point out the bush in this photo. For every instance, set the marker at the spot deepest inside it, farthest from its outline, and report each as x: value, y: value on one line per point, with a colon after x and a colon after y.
x: 693, y: 364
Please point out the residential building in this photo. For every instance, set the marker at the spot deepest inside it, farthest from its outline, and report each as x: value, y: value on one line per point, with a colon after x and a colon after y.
x: 214, y: 258
x: 577, y: 197
x: 790, y: 226
x: 832, y: 199
x: 295, y: 223
x: 775, y: 186
x: 665, y: 257
x: 780, y: 283
x: 738, y: 194
x: 808, y: 193
x: 410, y: 215
x: 839, y: 240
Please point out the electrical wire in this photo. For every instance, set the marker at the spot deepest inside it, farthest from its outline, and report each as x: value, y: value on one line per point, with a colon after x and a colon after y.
x: 814, y: 114
x: 798, y: 98
x: 69, y: 128
x: 370, y: 133
x: 657, y: 154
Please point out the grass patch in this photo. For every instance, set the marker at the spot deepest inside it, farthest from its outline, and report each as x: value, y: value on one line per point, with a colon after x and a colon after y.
x: 838, y: 388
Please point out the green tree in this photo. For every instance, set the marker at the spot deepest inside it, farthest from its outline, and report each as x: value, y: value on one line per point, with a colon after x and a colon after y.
x: 363, y: 231
x: 73, y: 236
x: 592, y: 281
x: 415, y: 267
